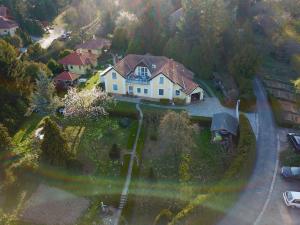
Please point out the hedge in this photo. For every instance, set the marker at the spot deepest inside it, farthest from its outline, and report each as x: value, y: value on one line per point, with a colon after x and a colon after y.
x: 199, y: 211
x: 124, y: 109
x: 201, y: 120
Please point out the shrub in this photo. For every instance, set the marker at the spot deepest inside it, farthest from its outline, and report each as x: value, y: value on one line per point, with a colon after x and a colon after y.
x: 124, y: 122
x: 115, y: 152
x: 179, y: 101
x: 295, y: 61
x: 201, y: 120
x: 164, y: 101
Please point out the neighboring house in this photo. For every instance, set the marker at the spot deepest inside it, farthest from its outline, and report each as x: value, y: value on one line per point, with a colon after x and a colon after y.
x: 79, y: 63
x: 152, y: 77
x: 94, y: 46
x: 65, y: 80
x: 7, y: 26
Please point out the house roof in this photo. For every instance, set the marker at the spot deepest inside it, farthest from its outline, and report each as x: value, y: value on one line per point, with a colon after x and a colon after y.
x: 225, y: 121
x: 78, y: 59
x: 66, y: 76
x: 7, y: 23
x: 173, y: 70
x: 98, y: 43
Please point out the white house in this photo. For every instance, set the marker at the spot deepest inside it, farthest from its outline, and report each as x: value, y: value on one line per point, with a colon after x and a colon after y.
x: 7, y: 26
x: 95, y: 46
x: 152, y: 77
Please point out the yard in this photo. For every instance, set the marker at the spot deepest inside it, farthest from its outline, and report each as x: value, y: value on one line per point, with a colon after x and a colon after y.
x: 157, y: 195
x: 93, y: 174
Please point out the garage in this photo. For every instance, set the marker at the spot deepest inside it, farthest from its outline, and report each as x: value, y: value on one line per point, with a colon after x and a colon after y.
x: 195, y: 97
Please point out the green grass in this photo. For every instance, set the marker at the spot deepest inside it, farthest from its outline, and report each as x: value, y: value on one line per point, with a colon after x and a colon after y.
x: 93, y: 81
x: 289, y: 158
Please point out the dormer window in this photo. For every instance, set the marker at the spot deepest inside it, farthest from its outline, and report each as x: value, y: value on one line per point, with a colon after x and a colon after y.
x: 143, y: 72
x: 161, y: 80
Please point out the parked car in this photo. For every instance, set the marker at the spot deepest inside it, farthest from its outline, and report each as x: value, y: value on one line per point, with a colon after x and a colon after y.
x: 292, y: 199
x: 290, y: 172
x: 295, y: 140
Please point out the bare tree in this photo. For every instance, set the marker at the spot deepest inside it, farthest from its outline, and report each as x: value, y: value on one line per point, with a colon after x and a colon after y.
x: 176, y: 133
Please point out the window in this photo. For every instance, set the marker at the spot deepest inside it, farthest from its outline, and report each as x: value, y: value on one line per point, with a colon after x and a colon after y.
x: 115, y: 87
x: 177, y: 92
x: 145, y: 91
x: 114, y: 76
x: 161, y: 92
x: 143, y: 72
x: 71, y: 67
x: 138, y: 90
x: 161, y: 80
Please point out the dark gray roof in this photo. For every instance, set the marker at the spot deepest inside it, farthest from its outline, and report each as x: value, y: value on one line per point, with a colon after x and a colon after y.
x: 225, y: 121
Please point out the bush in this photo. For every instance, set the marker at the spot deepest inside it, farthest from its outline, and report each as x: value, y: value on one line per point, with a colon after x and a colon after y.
x: 124, y: 122
x: 295, y: 61
x: 124, y: 109
x: 115, y: 152
x: 164, y: 101
x: 179, y: 101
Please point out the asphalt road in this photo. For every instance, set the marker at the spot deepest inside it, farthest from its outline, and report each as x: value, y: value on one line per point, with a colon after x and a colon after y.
x: 255, y: 200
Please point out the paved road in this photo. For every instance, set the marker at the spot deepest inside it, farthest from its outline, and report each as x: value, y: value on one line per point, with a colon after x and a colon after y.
x: 47, y: 40
x: 254, y: 201
x: 277, y: 213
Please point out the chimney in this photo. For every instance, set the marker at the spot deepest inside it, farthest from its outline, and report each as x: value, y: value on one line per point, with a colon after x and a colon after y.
x: 237, y: 110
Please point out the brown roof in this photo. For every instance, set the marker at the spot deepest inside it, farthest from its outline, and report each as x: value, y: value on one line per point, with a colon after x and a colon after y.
x: 98, y: 43
x: 173, y: 70
x: 78, y: 59
x: 66, y: 76
x: 7, y: 23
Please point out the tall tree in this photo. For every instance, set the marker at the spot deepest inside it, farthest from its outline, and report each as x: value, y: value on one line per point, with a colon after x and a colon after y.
x: 5, y: 139
x: 43, y: 100
x: 55, y: 149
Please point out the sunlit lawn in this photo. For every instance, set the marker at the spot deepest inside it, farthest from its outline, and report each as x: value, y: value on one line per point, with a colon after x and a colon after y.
x: 92, y: 81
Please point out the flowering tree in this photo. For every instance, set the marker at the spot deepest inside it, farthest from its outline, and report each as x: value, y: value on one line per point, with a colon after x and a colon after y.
x: 86, y: 103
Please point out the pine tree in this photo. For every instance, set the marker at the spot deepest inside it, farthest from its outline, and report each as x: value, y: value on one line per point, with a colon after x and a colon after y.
x: 43, y: 100
x: 55, y: 149
x: 5, y: 139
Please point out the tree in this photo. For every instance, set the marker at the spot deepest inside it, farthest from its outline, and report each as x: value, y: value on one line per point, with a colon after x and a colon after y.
x: 87, y: 103
x: 55, y: 149
x: 43, y: 100
x: 5, y: 139
x: 115, y: 152
x: 36, y: 53
x: 64, y: 53
x: 120, y: 39
x: 54, y: 66
x: 33, y: 69
x: 176, y: 133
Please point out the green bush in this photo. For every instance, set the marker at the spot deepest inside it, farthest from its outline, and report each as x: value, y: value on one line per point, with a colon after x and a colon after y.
x: 164, y: 101
x: 179, y: 101
x: 124, y: 109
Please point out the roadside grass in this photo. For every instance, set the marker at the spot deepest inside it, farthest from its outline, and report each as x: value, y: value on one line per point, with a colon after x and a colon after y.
x: 289, y: 157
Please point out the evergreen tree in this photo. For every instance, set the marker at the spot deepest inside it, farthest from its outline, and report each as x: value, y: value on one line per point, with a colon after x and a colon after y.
x: 55, y: 149
x: 43, y: 100
x: 5, y: 139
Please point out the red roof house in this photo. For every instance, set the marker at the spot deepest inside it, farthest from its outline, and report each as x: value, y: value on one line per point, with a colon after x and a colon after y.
x: 79, y: 63
x: 7, y: 26
x: 65, y: 80
x: 94, y: 46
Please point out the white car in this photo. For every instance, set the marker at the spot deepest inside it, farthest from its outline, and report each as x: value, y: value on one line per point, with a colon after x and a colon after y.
x: 292, y: 199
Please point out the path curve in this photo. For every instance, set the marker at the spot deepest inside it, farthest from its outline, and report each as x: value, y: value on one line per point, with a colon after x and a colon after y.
x: 254, y: 200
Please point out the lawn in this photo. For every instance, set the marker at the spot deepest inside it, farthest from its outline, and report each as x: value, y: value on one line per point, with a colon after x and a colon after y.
x: 92, y: 81
x: 94, y: 175
x: 217, y: 178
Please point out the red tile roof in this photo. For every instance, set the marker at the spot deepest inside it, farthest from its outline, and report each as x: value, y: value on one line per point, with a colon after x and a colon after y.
x: 79, y: 59
x: 7, y: 23
x: 173, y: 70
x: 66, y: 76
x: 98, y: 43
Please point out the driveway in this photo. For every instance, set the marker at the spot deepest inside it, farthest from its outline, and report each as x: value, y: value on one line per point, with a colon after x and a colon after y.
x: 255, y: 200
